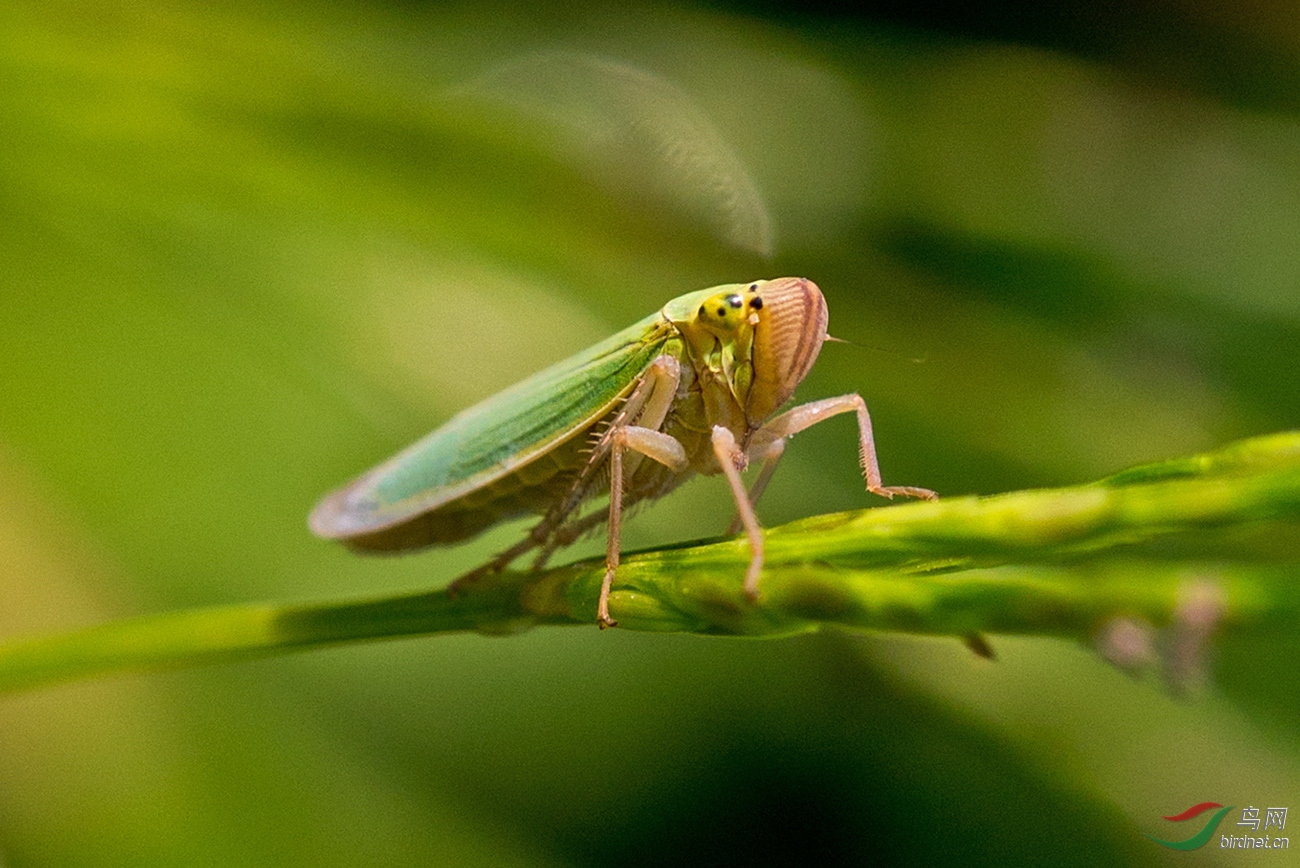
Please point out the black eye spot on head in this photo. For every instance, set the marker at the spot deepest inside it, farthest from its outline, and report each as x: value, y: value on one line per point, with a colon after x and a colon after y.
x: 701, y: 310
x: 753, y: 287
x: 756, y: 303
x: 735, y: 302
x: 722, y: 312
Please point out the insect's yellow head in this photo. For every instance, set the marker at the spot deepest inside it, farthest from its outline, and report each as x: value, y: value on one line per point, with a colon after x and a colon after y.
x: 721, y: 335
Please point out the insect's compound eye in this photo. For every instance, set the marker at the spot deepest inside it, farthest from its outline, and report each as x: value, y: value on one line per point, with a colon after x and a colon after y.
x: 735, y: 301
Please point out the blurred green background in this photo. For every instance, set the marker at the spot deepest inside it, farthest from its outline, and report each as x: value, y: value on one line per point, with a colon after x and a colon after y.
x: 248, y: 251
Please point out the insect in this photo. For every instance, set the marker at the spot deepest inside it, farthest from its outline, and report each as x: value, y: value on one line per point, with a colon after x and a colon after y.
x: 690, y: 389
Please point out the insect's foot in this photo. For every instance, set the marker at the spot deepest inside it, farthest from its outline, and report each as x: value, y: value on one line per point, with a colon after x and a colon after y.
x: 605, y: 621
x: 457, y: 587
x: 905, y: 491
x: 979, y: 645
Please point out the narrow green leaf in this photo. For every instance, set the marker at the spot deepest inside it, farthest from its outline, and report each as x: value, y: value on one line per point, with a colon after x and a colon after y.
x: 1056, y: 562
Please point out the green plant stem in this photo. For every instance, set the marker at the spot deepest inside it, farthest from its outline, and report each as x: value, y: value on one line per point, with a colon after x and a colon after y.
x: 1058, y: 562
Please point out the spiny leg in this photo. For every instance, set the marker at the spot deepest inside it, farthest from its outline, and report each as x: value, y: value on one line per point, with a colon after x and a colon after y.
x: 663, y: 448
x: 731, y: 458
x: 575, y: 529
x: 807, y: 415
x: 648, y: 407
x: 536, y: 537
x: 649, y: 401
x: 567, y: 535
x: 615, y: 527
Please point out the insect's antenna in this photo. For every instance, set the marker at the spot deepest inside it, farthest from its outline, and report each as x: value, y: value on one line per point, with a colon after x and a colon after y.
x: 916, y: 360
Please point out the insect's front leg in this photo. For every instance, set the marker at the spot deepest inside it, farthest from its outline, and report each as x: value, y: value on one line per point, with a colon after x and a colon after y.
x: 767, y: 453
x: 732, y: 459
x: 806, y: 415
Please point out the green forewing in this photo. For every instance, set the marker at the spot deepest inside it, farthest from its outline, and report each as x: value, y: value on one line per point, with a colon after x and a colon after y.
x: 495, y: 437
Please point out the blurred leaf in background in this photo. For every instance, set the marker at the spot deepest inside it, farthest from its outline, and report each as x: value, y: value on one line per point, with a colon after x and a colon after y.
x: 248, y: 250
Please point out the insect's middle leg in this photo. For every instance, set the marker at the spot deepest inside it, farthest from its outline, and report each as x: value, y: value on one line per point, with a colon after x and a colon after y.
x: 665, y: 449
x: 647, y: 405
x: 639, y: 432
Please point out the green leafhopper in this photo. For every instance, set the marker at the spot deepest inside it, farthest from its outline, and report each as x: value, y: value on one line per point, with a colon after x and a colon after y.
x: 690, y: 389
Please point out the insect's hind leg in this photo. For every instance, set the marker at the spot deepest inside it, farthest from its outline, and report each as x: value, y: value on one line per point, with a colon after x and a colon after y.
x: 539, y: 534
x: 567, y: 535
x: 635, y: 427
